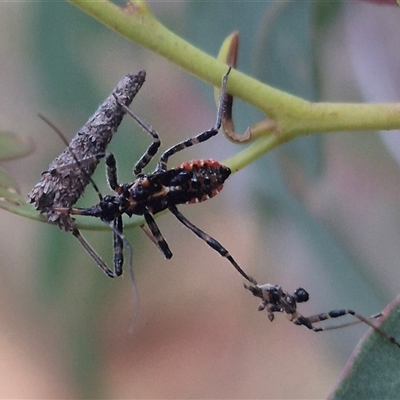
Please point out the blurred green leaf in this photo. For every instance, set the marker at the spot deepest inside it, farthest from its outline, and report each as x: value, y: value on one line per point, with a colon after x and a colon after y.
x: 12, y: 201
x: 373, y: 370
x: 13, y: 146
x: 6, y: 181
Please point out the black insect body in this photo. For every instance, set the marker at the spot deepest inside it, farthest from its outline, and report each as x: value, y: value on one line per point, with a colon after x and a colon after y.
x: 69, y: 173
x: 192, y: 182
x: 163, y: 189
x: 275, y: 299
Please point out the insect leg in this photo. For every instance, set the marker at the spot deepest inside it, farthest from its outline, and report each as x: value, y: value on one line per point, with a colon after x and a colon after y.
x: 210, y: 241
x: 123, y: 240
x: 202, y: 137
x: 152, y: 149
x: 118, y: 246
x: 274, y: 299
x: 345, y: 324
x: 341, y: 313
x: 157, y: 236
x: 93, y: 254
x: 112, y: 172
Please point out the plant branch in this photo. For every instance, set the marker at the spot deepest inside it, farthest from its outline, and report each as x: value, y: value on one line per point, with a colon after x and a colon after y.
x: 292, y: 115
x: 288, y: 116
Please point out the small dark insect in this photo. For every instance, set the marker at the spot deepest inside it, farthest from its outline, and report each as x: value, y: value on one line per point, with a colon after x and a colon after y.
x: 68, y: 174
x: 163, y: 189
x: 274, y: 299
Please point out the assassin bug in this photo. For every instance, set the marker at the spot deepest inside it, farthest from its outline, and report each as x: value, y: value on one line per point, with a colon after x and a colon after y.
x: 69, y: 173
x: 275, y: 299
x: 160, y: 190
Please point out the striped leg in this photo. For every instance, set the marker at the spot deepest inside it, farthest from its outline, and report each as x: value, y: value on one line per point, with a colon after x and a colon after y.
x: 118, y: 246
x: 341, y: 313
x: 274, y: 299
x: 211, y: 242
x: 94, y: 255
x: 156, y: 236
x: 112, y: 177
x: 152, y: 149
x: 202, y: 137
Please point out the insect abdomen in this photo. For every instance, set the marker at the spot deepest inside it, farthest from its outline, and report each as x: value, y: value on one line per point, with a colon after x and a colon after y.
x: 191, y: 182
x: 198, y: 181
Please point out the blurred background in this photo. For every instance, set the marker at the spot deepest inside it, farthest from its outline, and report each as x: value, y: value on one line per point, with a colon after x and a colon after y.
x: 322, y: 212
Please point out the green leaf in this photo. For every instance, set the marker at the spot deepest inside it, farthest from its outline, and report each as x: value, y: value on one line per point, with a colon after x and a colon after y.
x: 12, y: 201
x: 373, y: 370
x: 6, y: 181
x: 13, y: 146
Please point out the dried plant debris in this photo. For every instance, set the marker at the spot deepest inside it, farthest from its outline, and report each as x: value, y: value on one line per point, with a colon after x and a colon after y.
x: 65, y: 180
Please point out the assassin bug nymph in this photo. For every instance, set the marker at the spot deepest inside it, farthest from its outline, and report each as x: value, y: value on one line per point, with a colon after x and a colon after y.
x: 275, y: 299
x: 163, y: 189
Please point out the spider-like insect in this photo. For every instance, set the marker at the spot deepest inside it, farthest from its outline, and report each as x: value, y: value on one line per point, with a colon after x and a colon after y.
x: 163, y: 189
x: 275, y: 299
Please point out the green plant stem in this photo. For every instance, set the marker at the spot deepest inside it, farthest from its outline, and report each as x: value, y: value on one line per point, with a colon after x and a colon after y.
x: 319, y: 118
x: 288, y: 116
x: 293, y: 116
x: 136, y: 23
